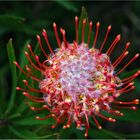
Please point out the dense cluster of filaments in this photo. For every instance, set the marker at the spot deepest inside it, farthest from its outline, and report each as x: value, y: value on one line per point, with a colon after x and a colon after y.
x: 79, y: 82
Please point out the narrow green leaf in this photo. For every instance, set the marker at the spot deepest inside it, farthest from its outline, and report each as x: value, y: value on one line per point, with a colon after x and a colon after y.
x: 83, y: 16
x: 129, y: 115
x: 22, y: 132
x: 67, y: 5
x: 133, y: 136
x: 26, y: 134
x: 23, y: 60
x: 104, y: 134
x: 11, y: 55
x: 124, y: 75
x: 32, y: 121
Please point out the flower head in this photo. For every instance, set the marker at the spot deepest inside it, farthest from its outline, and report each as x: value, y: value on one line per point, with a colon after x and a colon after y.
x: 77, y: 81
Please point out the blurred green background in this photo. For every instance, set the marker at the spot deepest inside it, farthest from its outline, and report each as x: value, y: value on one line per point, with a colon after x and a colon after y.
x: 21, y: 21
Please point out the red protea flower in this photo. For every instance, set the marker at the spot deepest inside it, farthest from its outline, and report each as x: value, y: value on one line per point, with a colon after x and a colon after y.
x: 79, y: 82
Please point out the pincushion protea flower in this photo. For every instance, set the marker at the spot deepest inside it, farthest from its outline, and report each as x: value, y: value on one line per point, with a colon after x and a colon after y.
x: 78, y: 82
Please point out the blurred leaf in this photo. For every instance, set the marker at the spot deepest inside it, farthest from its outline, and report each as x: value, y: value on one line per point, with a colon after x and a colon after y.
x: 32, y: 121
x: 103, y: 134
x: 22, y: 132
x: 23, y: 59
x: 82, y: 17
x: 69, y: 5
x: 127, y: 74
x: 129, y: 115
x: 133, y: 136
x: 11, y: 55
x: 14, y: 23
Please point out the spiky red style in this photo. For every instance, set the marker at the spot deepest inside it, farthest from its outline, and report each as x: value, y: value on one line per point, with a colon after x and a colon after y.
x: 78, y: 81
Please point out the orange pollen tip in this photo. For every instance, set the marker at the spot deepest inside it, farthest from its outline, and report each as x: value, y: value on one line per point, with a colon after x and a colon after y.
x: 54, y: 25
x: 25, y: 93
x: 24, y: 81
x: 86, y: 134
x: 134, y: 108
x: 136, y: 101
x: 98, y: 24
x: 76, y: 18
x: 44, y: 32
x: 68, y: 126
x: 29, y: 46
x: 84, y: 21
x: 128, y: 44
x: 17, y: 88
x: 119, y: 37
x: 99, y: 127
x: 26, y: 53
x: 90, y: 23
x: 52, y: 115
x: 44, y: 106
x: 38, y: 37
x: 53, y: 126
x: 16, y: 63
x: 37, y: 117
x: 64, y: 127
x: 109, y: 27
x: 32, y: 108
x: 137, y: 55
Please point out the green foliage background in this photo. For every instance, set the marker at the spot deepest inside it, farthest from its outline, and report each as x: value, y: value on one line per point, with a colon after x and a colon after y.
x: 20, y: 21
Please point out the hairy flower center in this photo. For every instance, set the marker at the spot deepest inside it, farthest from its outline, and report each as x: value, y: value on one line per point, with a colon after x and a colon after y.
x: 80, y: 72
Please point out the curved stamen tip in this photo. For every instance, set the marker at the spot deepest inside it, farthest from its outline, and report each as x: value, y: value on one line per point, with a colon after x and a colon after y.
x: 84, y: 21
x: 37, y: 117
x: 68, y: 126
x: 16, y: 63
x: 127, y: 44
x: 119, y: 37
x: 32, y: 108
x: 54, y: 24
x: 137, y: 55
x: 53, y: 126
x: 109, y: 27
x: 44, y: 106
x: 64, y: 127
x: 134, y: 108
x: 26, y: 53
x: 25, y: 93
x: 90, y: 23
x: 29, y: 46
x: 24, y: 81
x: 98, y: 24
x: 99, y: 127
x: 44, y: 32
x: 136, y: 101
x: 126, y: 53
x: 76, y: 18
x: 86, y: 134
x: 38, y: 37
x: 17, y: 88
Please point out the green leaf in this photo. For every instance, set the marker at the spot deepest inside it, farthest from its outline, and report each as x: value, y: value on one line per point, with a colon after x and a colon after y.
x: 22, y: 132
x: 26, y: 134
x: 67, y: 5
x: 83, y: 16
x: 133, y: 136
x: 11, y: 55
x: 14, y: 23
x: 32, y: 121
x: 129, y: 115
x: 23, y: 59
x: 103, y: 134
x: 127, y: 74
